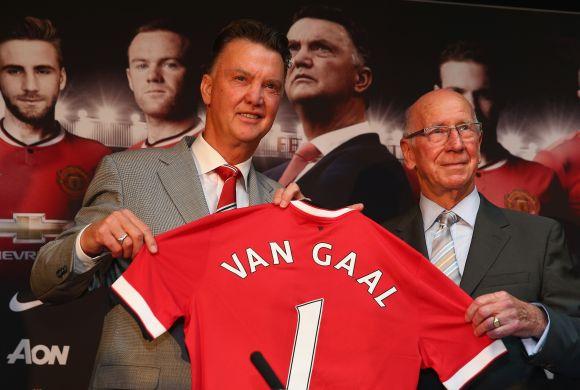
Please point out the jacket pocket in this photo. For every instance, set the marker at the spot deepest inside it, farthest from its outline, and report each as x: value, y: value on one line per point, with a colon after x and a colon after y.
x: 505, y: 279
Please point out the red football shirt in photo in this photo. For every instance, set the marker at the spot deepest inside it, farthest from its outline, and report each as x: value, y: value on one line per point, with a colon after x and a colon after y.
x: 564, y: 158
x: 42, y: 188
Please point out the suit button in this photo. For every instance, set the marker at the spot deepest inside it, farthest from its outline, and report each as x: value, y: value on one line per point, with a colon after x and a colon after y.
x: 61, y: 271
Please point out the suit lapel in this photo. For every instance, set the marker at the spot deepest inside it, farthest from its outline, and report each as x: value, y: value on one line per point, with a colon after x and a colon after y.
x: 410, y: 229
x: 259, y: 191
x: 180, y: 179
x: 490, y: 236
x: 357, y: 142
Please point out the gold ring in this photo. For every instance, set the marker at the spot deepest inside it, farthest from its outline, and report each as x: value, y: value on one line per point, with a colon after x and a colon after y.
x: 496, y: 322
x: 122, y: 238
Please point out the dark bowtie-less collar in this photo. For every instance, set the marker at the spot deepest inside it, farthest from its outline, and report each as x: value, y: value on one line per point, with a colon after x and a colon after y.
x: 171, y: 137
x: 55, y: 132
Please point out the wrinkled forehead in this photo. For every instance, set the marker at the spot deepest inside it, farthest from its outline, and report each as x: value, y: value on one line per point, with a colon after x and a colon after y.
x: 441, y: 109
x: 311, y: 29
x: 253, y: 58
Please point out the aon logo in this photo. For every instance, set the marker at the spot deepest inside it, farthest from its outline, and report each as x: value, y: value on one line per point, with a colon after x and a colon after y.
x: 39, y: 354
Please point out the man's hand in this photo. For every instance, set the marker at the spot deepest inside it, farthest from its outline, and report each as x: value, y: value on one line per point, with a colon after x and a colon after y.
x: 514, y: 317
x: 283, y: 196
x: 121, y: 233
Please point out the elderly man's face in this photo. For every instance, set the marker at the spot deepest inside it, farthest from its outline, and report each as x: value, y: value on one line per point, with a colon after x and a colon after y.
x: 471, y: 80
x: 242, y: 93
x: 324, y: 61
x: 447, y: 167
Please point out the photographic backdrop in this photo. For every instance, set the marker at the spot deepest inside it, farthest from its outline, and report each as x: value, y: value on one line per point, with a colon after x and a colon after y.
x: 537, y: 52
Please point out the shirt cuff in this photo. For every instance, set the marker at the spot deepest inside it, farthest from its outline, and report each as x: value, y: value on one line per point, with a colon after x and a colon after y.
x: 81, y: 261
x: 531, y: 345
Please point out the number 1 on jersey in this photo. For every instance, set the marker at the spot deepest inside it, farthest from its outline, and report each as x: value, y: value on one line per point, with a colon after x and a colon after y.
x: 309, y: 316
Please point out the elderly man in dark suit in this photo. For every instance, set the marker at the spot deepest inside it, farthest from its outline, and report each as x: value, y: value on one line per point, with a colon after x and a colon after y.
x: 343, y: 160
x: 138, y: 194
x: 516, y: 266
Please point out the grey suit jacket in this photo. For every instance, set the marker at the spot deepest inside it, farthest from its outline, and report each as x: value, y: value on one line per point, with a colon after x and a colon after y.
x: 163, y: 189
x: 527, y: 257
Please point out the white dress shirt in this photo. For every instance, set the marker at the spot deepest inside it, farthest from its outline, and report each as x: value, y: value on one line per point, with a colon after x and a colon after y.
x: 462, y: 233
x: 327, y: 142
x: 206, y: 159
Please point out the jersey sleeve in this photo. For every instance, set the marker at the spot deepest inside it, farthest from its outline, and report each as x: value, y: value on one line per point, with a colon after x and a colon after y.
x: 447, y: 343
x: 158, y: 287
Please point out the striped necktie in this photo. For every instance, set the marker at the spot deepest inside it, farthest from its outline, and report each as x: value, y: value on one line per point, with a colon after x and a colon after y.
x: 306, y: 153
x: 229, y: 174
x: 443, y: 252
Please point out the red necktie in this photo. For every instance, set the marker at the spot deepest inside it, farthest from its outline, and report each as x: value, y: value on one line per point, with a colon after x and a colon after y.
x: 229, y: 174
x: 306, y: 153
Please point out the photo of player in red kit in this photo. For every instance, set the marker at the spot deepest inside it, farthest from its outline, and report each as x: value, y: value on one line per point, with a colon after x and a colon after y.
x: 44, y: 171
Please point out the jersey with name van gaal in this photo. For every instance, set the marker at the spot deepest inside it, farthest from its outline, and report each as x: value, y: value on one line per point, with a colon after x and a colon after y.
x: 330, y: 298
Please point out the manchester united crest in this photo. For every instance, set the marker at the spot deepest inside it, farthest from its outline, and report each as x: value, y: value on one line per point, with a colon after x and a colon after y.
x: 73, y: 180
x: 522, y: 200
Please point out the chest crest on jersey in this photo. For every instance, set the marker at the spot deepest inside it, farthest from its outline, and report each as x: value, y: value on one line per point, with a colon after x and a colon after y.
x: 73, y: 180
x: 522, y: 200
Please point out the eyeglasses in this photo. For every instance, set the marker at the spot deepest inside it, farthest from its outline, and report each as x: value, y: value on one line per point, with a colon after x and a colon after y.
x: 468, y: 132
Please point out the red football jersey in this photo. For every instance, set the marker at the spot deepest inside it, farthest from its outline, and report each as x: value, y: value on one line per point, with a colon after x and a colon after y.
x: 42, y: 189
x: 523, y: 185
x: 564, y: 158
x: 330, y: 298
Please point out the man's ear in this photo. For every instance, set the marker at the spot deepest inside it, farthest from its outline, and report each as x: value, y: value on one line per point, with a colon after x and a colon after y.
x: 62, y: 81
x: 479, y: 148
x: 408, y: 154
x: 127, y: 71
x: 364, y: 79
x: 205, y: 88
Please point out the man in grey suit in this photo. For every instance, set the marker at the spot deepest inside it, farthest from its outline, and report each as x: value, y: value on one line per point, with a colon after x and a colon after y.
x: 515, y: 265
x: 138, y: 194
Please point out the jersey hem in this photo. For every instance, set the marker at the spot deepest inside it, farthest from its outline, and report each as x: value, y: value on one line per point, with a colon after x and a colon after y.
x: 138, y: 304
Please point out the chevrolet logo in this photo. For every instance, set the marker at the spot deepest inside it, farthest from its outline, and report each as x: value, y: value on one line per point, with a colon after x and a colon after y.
x: 31, y: 228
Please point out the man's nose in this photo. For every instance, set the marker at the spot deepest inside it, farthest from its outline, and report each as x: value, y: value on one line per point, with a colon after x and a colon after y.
x: 30, y: 82
x: 255, y: 94
x: 302, y: 58
x: 454, y: 141
x: 154, y: 74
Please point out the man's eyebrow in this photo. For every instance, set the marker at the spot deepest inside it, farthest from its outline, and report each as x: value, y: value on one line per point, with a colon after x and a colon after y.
x: 316, y: 41
x: 274, y: 81
x: 239, y: 70
x: 178, y: 59
x: 322, y: 41
x: 12, y: 66
x: 44, y: 66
